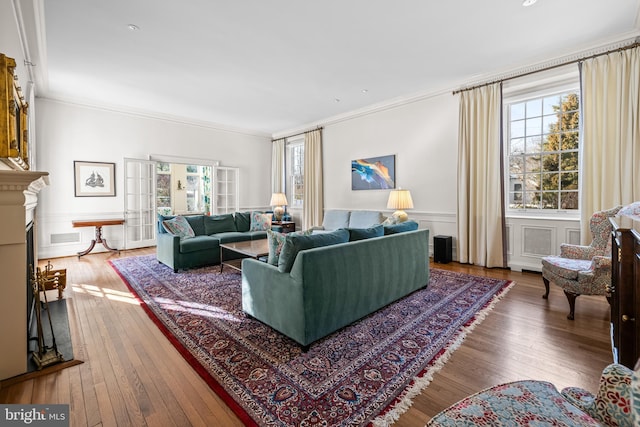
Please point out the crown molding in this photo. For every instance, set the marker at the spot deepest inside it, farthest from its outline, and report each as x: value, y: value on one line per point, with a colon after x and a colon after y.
x: 581, y: 52
x: 153, y: 115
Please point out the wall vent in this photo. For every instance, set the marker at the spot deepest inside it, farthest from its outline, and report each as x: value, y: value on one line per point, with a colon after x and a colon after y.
x: 60, y: 238
x: 537, y: 241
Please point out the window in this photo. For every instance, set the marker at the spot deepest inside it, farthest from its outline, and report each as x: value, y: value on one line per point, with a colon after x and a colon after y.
x: 163, y: 188
x: 542, y: 151
x: 295, y: 173
x: 182, y: 189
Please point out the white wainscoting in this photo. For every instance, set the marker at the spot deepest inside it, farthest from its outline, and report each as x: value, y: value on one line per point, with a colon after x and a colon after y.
x: 530, y: 239
x: 58, y: 238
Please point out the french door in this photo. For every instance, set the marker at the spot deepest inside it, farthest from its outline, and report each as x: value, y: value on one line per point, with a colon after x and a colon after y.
x: 140, y: 203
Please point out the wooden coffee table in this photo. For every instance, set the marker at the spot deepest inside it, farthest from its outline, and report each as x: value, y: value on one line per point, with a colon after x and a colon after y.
x: 250, y: 248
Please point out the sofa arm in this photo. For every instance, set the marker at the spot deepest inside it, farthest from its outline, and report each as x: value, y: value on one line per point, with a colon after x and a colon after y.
x: 612, y: 405
x: 581, y: 398
x: 274, y: 298
x: 167, y: 248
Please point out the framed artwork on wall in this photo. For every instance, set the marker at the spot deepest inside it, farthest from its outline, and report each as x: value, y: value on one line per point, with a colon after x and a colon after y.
x: 94, y: 179
x: 374, y: 173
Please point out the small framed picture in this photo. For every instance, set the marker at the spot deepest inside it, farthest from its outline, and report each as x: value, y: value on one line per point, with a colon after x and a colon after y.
x: 94, y: 179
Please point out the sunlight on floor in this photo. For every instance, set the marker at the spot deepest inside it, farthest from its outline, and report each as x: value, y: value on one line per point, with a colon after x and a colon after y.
x: 110, y: 294
x: 197, y: 309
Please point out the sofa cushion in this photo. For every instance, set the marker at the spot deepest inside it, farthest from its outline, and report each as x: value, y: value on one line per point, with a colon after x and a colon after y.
x: 232, y: 236
x: 242, y: 220
x: 178, y: 226
x: 197, y: 224
x: 260, y: 221
x: 365, y: 233
x: 276, y: 241
x: 364, y: 219
x: 295, y: 243
x: 219, y: 224
x: 198, y: 243
x: 334, y: 219
x: 400, y: 227
x: 257, y: 235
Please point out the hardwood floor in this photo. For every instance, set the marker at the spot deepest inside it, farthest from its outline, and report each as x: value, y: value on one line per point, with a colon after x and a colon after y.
x: 132, y: 375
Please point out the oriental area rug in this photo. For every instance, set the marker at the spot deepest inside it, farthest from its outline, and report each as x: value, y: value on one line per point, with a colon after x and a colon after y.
x: 366, y: 373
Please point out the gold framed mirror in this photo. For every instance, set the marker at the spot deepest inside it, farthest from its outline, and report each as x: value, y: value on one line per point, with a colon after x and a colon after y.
x: 14, y: 132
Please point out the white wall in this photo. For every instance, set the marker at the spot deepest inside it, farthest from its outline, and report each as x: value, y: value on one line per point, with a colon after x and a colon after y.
x: 10, y: 43
x: 68, y: 132
x: 423, y: 135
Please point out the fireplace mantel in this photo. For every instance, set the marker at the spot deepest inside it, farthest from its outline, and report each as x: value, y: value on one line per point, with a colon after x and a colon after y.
x: 18, y: 200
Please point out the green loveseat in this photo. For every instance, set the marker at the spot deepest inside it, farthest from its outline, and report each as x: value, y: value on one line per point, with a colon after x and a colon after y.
x: 330, y: 287
x: 204, y: 248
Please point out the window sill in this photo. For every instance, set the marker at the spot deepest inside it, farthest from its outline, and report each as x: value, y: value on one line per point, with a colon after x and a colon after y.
x: 555, y: 216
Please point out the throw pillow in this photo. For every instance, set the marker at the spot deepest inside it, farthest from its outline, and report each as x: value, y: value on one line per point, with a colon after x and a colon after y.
x: 219, y: 224
x: 276, y: 241
x: 161, y: 219
x: 295, y: 243
x: 365, y: 233
x: 179, y: 226
x: 400, y: 227
x: 260, y: 221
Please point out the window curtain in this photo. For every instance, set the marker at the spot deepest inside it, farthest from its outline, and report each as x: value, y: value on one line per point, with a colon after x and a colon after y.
x: 481, y: 221
x: 278, y: 166
x: 610, y: 171
x: 313, y: 195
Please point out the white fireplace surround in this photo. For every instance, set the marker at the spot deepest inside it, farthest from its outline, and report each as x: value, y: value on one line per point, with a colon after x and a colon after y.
x: 18, y: 200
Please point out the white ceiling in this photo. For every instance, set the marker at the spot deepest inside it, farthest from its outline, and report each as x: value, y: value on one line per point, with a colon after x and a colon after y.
x: 271, y: 66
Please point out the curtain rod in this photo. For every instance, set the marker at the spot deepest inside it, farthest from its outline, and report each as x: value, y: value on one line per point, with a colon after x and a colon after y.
x: 301, y: 133
x: 550, y: 67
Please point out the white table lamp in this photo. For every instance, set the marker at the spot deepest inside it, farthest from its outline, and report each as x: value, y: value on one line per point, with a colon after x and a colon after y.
x: 400, y: 200
x: 278, y: 201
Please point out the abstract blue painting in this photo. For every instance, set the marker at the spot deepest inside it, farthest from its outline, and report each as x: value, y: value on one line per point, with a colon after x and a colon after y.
x: 375, y: 173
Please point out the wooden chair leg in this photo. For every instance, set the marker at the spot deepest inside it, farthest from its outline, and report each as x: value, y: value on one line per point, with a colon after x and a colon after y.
x: 571, y: 297
x: 546, y: 288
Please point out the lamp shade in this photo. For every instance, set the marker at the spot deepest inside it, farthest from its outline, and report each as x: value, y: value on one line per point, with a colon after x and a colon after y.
x: 400, y: 199
x: 278, y: 199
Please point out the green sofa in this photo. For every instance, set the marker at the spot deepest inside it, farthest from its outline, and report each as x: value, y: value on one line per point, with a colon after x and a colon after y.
x: 204, y: 248
x: 330, y: 287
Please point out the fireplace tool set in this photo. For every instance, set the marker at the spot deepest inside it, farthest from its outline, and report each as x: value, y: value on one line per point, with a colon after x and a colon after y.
x: 41, y: 282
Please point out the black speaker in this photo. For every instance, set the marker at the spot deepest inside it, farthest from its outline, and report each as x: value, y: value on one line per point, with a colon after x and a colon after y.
x: 442, y: 249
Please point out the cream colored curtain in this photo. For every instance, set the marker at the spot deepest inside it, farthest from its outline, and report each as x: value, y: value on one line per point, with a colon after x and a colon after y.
x: 313, y: 205
x: 480, y: 185
x: 610, y: 170
x: 278, y: 166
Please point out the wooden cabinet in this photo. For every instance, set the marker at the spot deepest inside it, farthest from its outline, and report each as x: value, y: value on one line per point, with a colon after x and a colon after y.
x: 625, y: 291
x: 285, y: 226
x: 14, y: 134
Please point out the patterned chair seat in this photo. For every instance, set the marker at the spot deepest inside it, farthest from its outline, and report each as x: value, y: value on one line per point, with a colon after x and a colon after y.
x: 566, y: 268
x: 533, y: 402
x: 582, y: 270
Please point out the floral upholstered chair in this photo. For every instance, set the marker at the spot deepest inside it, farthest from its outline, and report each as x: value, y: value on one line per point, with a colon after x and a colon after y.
x: 582, y: 270
x: 539, y: 403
